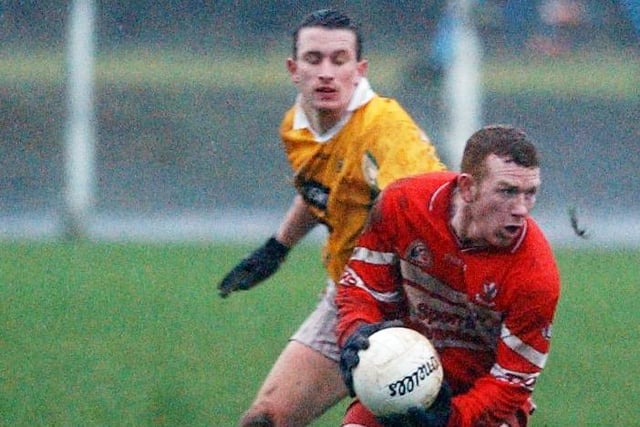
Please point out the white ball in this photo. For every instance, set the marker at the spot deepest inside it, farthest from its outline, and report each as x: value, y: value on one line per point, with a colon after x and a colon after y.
x: 400, y: 369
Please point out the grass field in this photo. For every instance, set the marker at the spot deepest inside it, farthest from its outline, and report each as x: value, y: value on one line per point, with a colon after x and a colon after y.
x: 601, y: 73
x: 135, y: 334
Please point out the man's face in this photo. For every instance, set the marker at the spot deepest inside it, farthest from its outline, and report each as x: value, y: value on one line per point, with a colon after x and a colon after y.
x: 502, y: 201
x: 326, y: 70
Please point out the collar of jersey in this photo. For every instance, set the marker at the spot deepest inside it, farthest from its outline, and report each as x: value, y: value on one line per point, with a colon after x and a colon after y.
x: 361, y: 95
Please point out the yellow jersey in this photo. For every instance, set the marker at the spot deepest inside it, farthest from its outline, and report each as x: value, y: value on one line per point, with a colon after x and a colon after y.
x: 340, y: 177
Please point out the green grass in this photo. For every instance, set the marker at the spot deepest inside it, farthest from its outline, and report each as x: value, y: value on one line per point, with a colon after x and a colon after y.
x: 607, y: 75
x: 597, y: 73
x: 135, y: 334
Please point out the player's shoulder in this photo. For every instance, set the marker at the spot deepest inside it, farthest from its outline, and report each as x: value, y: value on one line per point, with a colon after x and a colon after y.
x: 287, y: 119
x: 421, y: 186
x: 536, y: 254
x: 385, y: 108
x: 385, y: 101
x: 424, y: 181
x: 536, y: 239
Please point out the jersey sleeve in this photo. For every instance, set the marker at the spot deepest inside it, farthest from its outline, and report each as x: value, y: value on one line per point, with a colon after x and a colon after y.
x: 522, y: 350
x: 369, y: 290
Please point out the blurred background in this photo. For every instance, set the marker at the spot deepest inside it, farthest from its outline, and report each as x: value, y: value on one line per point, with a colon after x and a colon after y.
x: 186, y: 98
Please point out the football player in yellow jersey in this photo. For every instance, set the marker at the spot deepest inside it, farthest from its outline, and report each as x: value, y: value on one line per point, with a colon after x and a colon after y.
x: 344, y: 143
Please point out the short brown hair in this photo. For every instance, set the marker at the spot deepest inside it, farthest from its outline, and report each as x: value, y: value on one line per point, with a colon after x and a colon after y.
x: 504, y: 141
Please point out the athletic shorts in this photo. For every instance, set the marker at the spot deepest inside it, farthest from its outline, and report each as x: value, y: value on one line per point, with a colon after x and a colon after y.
x: 318, y: 331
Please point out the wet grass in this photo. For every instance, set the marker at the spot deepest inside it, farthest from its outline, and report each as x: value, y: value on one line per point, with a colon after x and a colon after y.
x: 135, y: 334
x: 602, y: 73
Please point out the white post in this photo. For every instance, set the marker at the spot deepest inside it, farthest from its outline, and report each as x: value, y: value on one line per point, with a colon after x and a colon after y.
x: 80, y: 138
x: 463, y: 82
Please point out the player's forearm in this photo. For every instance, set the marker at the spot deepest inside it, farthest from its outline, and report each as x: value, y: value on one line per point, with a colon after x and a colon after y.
x: 355, y: 307
x: 488, y: 402
x: 297, y: 222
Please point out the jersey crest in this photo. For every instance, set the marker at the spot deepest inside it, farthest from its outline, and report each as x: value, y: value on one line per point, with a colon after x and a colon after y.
x: 488, y: 294
x: 370, y: 170
x: 419, y: 254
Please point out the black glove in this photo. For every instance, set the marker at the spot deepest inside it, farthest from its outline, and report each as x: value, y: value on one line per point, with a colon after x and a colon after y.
x: 262, y: 263
x: 436, y: 415
x: 359, y: 340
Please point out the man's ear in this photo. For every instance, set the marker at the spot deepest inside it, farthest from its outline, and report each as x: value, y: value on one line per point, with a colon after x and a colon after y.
x: 292, y: 67
x: 363, y: 67
x: 467, y: 187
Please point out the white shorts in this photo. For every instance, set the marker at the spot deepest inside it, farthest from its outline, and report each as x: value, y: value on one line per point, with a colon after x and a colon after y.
x: 318, y: 331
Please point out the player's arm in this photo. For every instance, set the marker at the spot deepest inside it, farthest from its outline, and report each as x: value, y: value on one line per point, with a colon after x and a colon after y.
x: 369, y: 291
x: 521, y: 356
x: 297, y: 223
x: 266, y: 260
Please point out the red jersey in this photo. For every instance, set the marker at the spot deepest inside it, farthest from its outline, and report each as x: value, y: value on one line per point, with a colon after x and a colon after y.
x: 487, y: 311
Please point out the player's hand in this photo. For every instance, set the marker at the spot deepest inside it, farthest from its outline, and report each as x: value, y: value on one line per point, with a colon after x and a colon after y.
x: 359, y: 340
x: 255, y: 268
x: 436, y: 415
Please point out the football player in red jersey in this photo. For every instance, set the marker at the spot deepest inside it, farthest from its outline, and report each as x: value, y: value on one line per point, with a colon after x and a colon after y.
x: 457, y: 257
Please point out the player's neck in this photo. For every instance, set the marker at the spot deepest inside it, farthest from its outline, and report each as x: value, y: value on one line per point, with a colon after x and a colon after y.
x: 460, y: 221
x: 323, y: 121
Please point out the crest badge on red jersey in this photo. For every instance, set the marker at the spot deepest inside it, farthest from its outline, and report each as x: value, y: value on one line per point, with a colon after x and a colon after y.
x: 488, y: 294
x: 419, y: 254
